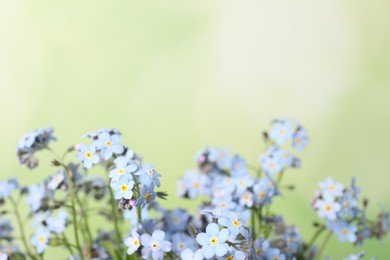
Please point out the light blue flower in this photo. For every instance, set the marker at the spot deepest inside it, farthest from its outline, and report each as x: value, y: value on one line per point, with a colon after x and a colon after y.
x: 195, y: 183
x: 155, y: 245
x: 238, y: 167
x: 108, y: 145
x: 36, y: 193
x: 182, y: 241
x: 148, y: 175
x: 274, y: 254
x: 32, y: 142
x: 234, y: 224
x: 213, y: 241
x: 56, y: 180
x: 176, y: 220
x: 330, y: 188
x: 264, y: 191
x: 356, y: 256
x: 123, y: 167
x: 132, y: 242
x: 87, y: 155
x: 271, y: 162
x: 346, y: 232
x: 6, y: 187
x: 122, y: 187
x: 40, y: 217
x: 246, y: 199
x: 243, y: 183
x: 327, y: 208
x: 233, y: 254
x: 188, y: 254
x: 281, y: 132
x: 57, y: 224
x: 220, y: 157
x: 40, y: 239
x: 147, y: 195
x: 300, y: 139
x: 132, y: 215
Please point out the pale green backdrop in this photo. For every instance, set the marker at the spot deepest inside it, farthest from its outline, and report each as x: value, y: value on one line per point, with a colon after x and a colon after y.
x: 174, y: 76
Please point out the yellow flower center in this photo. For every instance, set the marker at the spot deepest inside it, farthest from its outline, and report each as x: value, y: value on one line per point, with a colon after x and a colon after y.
x: 271, y: 165
x: 344, y: 231
x: 261, y: 195
x: 195, y: 185
x: 229, y: 258
x: 147, y: 196
x: 41, y: 238
x: 222, y: 205
x: 275, y: 258
x: 150, y: 172
x: 88, y: 154
x: 297, y: 140
x: 227, y: 180
x: 328, y: 207
x: 235, y: 223
x: 246, y: 196
x: 124, y: 187
x: 108, y: 143
x: 121, y: 171
x: 258, y: 251
x: 213, y: 241
x: 136, y: 242
x: 281, y: 131
x: 331, y: 187
x: 346, y: 204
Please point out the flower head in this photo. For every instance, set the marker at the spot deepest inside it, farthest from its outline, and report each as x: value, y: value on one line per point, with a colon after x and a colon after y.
x: 122, y: 187
x: 154, y: 245
x: 40, y: 239
x: 213, y: 241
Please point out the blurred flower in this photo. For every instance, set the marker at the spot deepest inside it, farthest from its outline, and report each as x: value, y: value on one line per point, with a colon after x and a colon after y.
x: 40, y: 239
x: 154, y: 245
x: 57, y: 224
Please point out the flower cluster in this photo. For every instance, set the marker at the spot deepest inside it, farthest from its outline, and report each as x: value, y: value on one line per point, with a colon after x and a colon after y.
x: 235, y: 219
x: 32, y: 142
x: 345, y: 214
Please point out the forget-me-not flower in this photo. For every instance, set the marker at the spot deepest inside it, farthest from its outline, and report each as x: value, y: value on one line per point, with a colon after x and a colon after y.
x: 57, y: 224
x: 40, y: 239
x: 87, y: 155
x: 123, y: 187
x: 213, y: 241
x: 108, y: 145
x: 154, y: 245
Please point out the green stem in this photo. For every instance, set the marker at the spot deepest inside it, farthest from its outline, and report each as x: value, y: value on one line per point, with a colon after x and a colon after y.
x: 323, y: 245
x: 279, y: 180
x: 21, y: 228
x: 74, y: 215
x: 115, y: 219
x: 67, y: 244
x: 315, y: 236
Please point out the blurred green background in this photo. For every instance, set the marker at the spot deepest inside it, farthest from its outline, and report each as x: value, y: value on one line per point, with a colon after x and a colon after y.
x: 174, y: 76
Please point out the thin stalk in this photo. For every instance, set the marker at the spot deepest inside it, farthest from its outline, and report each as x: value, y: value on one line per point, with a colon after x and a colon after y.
x: 67, y: 244
x: 74, y: 215
x: 115, y: 220
x: 323, y: 245
x: 315, y: 236
x: 21, y: 228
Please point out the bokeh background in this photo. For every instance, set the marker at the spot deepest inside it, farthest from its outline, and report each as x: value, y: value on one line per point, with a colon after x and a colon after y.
x: 174, y: 76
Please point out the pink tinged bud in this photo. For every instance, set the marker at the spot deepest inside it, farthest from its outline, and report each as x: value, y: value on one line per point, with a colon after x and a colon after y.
x: 77, y: 147
x: 133, y: 202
